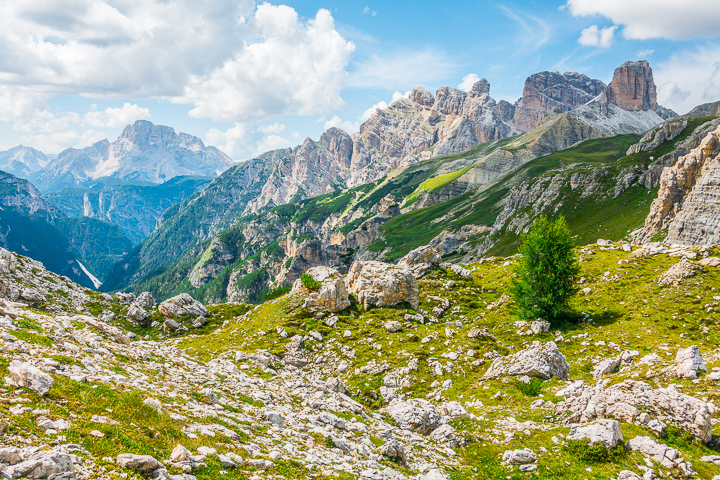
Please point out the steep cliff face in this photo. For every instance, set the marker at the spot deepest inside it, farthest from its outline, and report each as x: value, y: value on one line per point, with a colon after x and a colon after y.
x: 546, y: 92
x: 688, y: 202
x: 144, y: 152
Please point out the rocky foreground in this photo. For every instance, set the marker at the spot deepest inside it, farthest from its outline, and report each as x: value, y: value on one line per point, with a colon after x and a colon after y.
x: 414, y: 371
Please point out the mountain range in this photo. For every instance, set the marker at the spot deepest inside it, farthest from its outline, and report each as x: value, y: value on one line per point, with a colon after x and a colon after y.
x: 451, y: 168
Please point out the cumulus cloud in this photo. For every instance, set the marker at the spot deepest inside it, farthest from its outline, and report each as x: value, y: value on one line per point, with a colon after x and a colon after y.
x: 382, y: 105
x: 348, y: 127
x: 276, y: 127
x: 231, y: 142
x: 468, y: 81
x: 271, y: 142
x: 296, y: 68
x: 670, y: 93
x: 117, y: 117
x: 696, y: 72
x: 643, y: 19
x: 595, y: 37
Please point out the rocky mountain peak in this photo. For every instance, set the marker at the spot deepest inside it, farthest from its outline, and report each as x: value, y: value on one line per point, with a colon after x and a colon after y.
x: 545, y: 92
x: 481, y: 87
x: 339, y: 144
x: 449, y: 101
x: 146, y: 134
x: 422, y: 96
x: 633, y: 87
x: 22, y: 161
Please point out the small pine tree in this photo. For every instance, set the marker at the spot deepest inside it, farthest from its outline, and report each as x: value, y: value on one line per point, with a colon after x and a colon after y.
x: 545, y: 274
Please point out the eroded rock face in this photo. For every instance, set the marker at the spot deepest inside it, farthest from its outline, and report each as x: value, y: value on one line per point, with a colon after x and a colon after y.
x: 689, y: 362
x: 378, y: 284
x: 688, y: 202
x: 632, y: 87
x: 182, y: 305
x: 541, y: 360
x: 548, y: 91
x: 331, y: 296
x: 624, y: 401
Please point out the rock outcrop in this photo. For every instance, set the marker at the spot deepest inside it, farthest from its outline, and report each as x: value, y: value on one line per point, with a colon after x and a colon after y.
x: 541, y: 360
x: 688, y: 202
x: 26, y: 375
x: 378, y: 284
x: 633, y: 89
x: 180, y: 306
x: 546, y: 92
x: 605, y: 432
x: 332, y: 295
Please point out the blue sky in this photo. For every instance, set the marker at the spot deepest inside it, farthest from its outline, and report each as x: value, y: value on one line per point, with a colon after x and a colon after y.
x: 248, y: 77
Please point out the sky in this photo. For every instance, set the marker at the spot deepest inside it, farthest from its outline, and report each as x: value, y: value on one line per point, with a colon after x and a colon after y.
x: 249, y: 77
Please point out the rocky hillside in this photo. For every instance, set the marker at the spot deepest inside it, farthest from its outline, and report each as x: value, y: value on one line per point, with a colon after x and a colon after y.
x: 144, y: 153
x: 135, y: 209
x: 81, y: 249
x: 378, y: 375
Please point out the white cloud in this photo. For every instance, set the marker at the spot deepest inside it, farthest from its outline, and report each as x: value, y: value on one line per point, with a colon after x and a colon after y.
x: 59, y: 141
x: 229, y: 142
x: 382, y: 105
x: 534, y: 32
x: 643, y: 54
x: 594, y: 37
x: 691, y: 71
x: 669, y: 93
x: 336, y: 121
x: 297, y: 68
x: 295, y: 134
x: 367, y: 11
x: 117, y: 117
x: 271, y: 142
x: 402, y: 69
x: 643, y: 19
x: 468, y: 81
x: 398, y: 95
x: 276, y: 127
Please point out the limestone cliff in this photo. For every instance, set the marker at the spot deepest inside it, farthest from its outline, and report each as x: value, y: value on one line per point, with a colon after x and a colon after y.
x: 546, y: 92
x: 688, y: 202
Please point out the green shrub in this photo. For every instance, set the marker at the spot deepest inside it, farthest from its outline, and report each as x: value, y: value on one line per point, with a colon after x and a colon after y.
x: 544, y: 280
x: 596, y: 453
x: 532, y: 388
x: 277, y: 292
x: 309, y: 282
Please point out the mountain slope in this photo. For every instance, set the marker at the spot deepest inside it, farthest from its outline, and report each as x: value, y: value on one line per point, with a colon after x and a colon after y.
x: 33, y: 227
x: 144, y: 153
x: 135, y: 209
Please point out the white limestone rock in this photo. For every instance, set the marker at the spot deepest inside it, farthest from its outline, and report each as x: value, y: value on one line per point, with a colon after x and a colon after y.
x: 25, y: 375
x: 331, y: 296
x: 689, y: 361
x: 605, y: 431
x: 182, y: 305
x: 377, y: 284
x: 541, y: 360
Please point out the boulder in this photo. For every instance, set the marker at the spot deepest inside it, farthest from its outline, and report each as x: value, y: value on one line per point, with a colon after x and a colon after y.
x: 621, y: 401
x: 31, y: 295
x: 606, y: 367
x: 453, y: 410
x: 125, y: 298
x: 138, y: 315
x: 393, y: 326
x: 33, y: 378
x: 675, y: 274
x: 336, y: 385
x: 145, y: 300
x: 606, y: 432
x: 541, y: 360
x: 394, y: 450
x: 145, y: 465
x: 377, y: 284
x: 689, y: 361
x: 710, y: 262
x: 420, y: 261
x: 332, y: 294
x: 416, y: 415
x: 519, y: 457
x: 182, y: 305
x: 444, y: 434
x: 43, y: 464
x: 666, y: 456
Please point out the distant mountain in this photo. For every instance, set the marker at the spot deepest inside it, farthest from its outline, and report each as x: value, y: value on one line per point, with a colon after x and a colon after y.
x: 73, y: 247
x: 22, y: 161
x: 143, y: 154
x: 136, y: 209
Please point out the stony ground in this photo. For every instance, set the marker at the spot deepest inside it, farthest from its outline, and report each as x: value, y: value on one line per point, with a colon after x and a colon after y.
x: 117, y: 387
